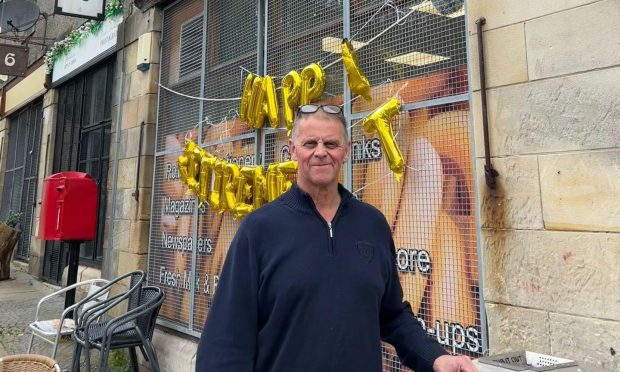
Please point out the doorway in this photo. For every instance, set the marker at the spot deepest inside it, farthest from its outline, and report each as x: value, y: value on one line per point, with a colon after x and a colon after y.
x: 82, y: 143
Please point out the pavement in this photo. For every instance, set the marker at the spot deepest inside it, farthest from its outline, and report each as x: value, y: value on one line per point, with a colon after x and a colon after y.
x: 19, y: 297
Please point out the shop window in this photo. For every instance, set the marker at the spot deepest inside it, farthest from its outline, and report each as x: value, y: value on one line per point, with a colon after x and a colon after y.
x: 414, y: 50
x: 20, y: 176
x: 82, y: 143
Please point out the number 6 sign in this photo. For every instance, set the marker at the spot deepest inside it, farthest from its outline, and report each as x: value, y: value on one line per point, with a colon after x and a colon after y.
x: 13, y: 60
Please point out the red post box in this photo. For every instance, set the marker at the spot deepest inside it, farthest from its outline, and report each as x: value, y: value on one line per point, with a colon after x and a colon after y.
x: 69, y: 207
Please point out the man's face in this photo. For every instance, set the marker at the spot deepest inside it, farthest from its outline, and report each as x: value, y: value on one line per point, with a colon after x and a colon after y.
x: 320, y: 148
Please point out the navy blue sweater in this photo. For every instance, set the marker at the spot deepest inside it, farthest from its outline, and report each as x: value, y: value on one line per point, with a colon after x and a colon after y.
x: 297, y: 294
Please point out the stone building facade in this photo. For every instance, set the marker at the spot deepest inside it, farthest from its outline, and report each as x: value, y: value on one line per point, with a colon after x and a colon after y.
x: 549, y: 242
x: 133, y: 107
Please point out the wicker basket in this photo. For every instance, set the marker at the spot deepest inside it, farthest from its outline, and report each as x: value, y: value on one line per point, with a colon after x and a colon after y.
x: 28, y: 363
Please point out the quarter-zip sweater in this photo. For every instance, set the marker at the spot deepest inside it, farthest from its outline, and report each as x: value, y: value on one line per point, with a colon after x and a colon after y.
x: 297, y: 293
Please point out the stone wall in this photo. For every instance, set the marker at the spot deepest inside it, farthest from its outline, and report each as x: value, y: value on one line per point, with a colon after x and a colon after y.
x: 4, y: 150
x: 131, y: 168
x: 52, y: 26
x: 46, y: 159
x: 551, y: 230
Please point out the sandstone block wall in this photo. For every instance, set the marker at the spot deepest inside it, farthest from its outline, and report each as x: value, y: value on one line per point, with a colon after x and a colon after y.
x: 132, y: 149
x: 551, y: 230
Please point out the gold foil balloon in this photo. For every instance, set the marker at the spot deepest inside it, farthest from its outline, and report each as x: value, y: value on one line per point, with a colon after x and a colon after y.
x: 259, y: 188
x: 184, y: 160
x: 358, y: 83
x: 380, y: 121
x: 277, y: 180
x: 243, y: 209
x: 246, y: 96
x: 214, y: 196
x: 244, y: 191
x: 193, y: 167
x: 286, y: 168
x: 271, y: 102
x: 291, y: 91
x: 312, y: 83
x: 256, y: 114
x: 272, y: 189
x: 193, y: 179
x: 230, y: 174
x: 206, y: 167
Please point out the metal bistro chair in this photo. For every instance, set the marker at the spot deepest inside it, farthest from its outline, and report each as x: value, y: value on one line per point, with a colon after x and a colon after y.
x: 134, y: 328
x: 28, y: 363
x: 50, y: 330
x: 98, y: 315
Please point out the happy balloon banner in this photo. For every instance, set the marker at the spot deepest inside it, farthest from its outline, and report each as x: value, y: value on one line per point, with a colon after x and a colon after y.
x: 259, y: 101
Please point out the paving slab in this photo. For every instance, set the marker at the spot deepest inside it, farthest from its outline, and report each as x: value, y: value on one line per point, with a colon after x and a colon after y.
x: 19, y: 297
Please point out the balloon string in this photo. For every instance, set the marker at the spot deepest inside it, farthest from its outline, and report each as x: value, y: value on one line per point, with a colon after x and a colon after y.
x: 396, y: 95
x: 358, y: 31
x: 413, y: 168
x: 246, y: 70
x: 371, y: 18
x: 199, y: 98
x: 365, y: 43
x: 399, y: 20
x: 385, y: 175
x: 357, y: 122
x: 190, y: 133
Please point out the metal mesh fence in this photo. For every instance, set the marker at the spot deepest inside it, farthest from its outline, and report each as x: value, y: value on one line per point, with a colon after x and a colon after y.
x: 231, y: 54
x: 412, y: 50
x: 303, y: 32
x: 216, y: 231
x: 181, y: 63
x: 173, y: 211
x: 170, y: 256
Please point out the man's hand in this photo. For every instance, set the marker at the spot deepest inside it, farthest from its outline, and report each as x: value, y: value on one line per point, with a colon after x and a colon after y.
x: 451, y: 363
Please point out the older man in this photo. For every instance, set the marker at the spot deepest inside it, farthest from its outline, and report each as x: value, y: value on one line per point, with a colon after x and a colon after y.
x: 310, y: 283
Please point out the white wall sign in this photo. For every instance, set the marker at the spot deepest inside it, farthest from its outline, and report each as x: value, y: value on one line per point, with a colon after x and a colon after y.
x: 94, y: 9
x: 92, y: 48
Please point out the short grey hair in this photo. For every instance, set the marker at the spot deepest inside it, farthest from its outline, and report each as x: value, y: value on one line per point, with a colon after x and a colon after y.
x: 300, y: 116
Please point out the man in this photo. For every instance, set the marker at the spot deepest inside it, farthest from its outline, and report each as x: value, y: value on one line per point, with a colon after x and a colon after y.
x: 309, y: 282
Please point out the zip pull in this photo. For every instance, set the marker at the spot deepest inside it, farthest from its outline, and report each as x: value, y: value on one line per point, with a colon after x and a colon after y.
x: 331, y: 233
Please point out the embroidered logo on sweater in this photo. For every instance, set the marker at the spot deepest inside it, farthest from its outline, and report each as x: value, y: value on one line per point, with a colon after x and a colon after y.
x: 365, y: 250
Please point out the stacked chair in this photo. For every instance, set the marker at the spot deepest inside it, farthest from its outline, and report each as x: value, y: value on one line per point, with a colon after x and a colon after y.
x: 51, y: 330
x: 100, y: 327
x: 115, y: 314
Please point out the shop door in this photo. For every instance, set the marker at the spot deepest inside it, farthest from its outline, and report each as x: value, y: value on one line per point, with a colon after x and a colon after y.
x: 20, y: 176
x: 82, y: 143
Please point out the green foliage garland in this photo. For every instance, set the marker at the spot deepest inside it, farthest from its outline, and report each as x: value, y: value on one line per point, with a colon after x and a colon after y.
x: 113, y: 9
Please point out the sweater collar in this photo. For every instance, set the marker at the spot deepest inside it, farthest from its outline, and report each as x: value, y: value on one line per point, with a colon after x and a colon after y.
x: 302, y: 201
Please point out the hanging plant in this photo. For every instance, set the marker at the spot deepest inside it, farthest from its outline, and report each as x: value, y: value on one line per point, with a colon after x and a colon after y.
x: 60, y: 48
